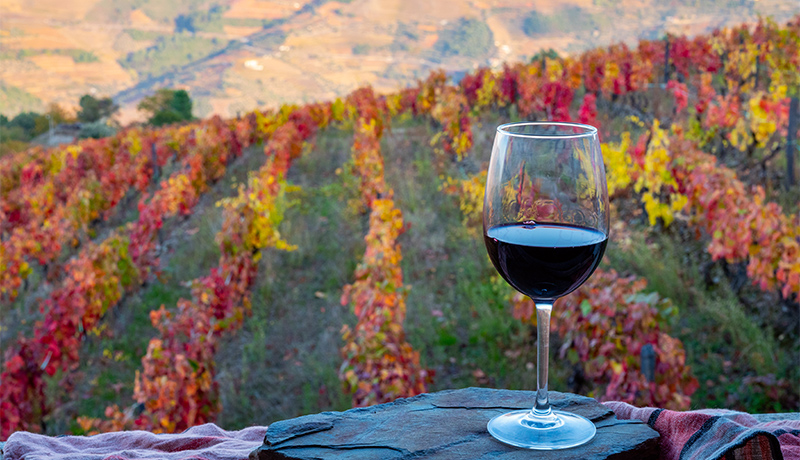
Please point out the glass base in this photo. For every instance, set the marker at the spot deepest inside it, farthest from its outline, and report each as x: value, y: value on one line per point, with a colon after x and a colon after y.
x: 558, y: 430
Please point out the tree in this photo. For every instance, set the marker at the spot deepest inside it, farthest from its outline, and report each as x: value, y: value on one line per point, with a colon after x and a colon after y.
x: 549, y: 53
x: 17, y: 132
x: 25, y: 121
x: 54, y: 116
x: 93, y: 109
x: 167, y: 106
x: 182, y: 103
x: 184, y: 22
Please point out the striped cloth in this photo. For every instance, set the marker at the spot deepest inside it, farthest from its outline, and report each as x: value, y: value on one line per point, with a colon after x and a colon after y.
x: 203, y: 442
x: 716, y: 434
x: 696, y: 435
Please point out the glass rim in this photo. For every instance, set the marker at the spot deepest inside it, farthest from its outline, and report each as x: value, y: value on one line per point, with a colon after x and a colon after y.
x: 588, y: 130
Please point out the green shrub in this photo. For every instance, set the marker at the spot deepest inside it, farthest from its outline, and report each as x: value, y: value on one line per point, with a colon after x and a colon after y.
x: 82, y: 56
x: 143, y: 35
x: 77, y: 55
x: 96, y: 130
x: 246, y: 22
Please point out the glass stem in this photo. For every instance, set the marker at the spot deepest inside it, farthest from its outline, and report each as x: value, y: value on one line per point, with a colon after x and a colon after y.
x: 542, y: 407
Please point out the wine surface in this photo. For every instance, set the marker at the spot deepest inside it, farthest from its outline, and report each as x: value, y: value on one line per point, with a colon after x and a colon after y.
x: 543, y: 260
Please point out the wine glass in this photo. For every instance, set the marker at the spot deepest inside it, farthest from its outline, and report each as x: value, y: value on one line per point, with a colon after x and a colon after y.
x: 545, y: 224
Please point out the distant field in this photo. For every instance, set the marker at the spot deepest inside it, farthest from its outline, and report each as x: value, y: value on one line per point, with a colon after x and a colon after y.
x: 170, y: 54
x: 259, y: 9
x: 66, y: 10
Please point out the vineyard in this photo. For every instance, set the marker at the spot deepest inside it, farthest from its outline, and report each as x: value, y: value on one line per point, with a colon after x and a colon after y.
x: 328, y: 255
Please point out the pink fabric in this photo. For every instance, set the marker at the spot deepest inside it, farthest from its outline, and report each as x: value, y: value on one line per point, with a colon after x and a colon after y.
x: 713, y: 434
x: 204, y: 442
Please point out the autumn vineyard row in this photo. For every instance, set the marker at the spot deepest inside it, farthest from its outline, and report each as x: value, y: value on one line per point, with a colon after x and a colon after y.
x: 728, y: 97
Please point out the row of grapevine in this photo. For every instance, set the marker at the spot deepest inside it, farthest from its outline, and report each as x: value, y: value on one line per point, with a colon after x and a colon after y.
x: 51, y: 198
x: 379, y: 364
x: 97, y: 278
x: 56, y: 199
x: 176, y: 384
x: 737, y: 64
x: 673, y: 177
x: 605, y: 326
x: 741, y: 225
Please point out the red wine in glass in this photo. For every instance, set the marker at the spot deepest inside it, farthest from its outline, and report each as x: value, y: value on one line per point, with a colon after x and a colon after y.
x: 545, y: 220
x: 545, y: 261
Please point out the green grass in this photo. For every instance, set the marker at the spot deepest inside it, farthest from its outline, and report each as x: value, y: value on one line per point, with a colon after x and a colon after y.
x: 144, y: 35
x: 787, y: 198
x: 284, y: 361
x: 171, y: 53
x: 78, y: 55
x: 245, y: 22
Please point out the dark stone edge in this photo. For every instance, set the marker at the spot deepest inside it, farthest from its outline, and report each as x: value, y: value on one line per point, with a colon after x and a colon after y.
x: 649, y: 447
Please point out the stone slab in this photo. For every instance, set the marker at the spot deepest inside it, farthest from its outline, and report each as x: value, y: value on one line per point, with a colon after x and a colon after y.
x: 447, y: 425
